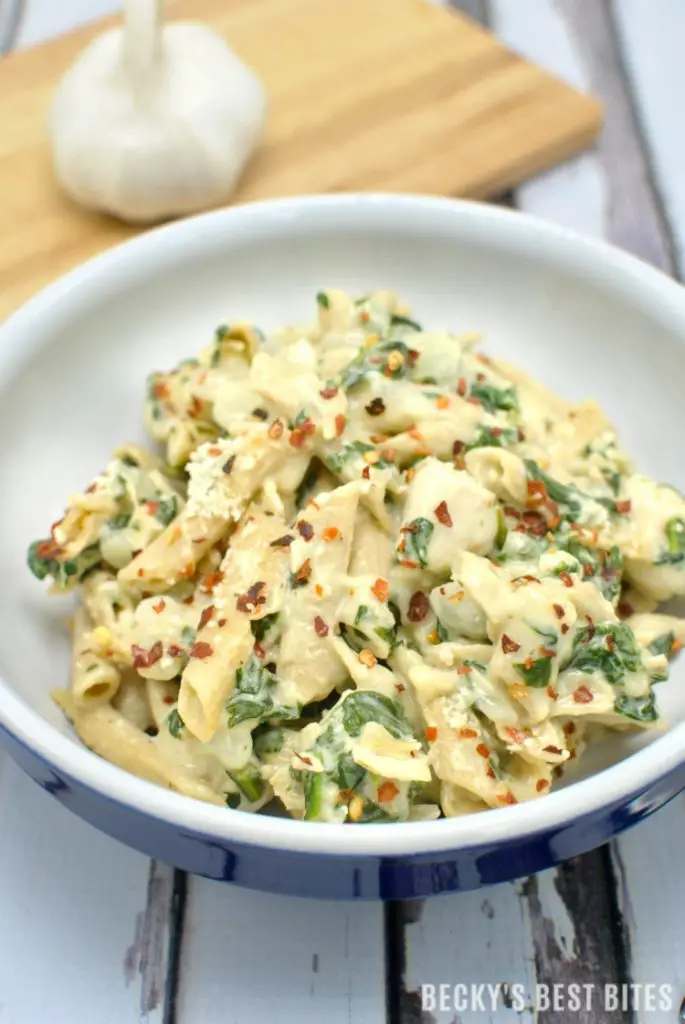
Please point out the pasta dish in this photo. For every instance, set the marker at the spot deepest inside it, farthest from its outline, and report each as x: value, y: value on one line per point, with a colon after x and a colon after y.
x: 371, y: 575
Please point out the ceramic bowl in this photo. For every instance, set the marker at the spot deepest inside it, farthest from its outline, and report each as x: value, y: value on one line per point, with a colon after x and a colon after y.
x: 584, y: 318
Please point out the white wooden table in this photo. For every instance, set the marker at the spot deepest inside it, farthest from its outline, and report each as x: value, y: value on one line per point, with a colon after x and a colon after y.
x: 92, y: 933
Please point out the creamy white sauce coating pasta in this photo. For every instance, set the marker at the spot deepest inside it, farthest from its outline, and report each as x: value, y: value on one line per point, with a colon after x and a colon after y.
x: 373, y: 575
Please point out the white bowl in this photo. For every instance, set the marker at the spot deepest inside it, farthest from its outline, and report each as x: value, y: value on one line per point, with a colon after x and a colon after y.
x: 583, y: 317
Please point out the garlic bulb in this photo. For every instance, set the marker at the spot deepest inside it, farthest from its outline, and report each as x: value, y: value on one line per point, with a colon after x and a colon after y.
x: 152, y: 121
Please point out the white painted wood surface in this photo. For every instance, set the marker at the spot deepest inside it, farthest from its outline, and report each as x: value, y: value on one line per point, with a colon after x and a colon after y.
x: 85, y: 923
x: 263, y: 957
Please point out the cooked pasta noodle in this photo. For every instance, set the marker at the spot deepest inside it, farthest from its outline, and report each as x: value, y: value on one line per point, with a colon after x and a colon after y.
x: 374, y: 576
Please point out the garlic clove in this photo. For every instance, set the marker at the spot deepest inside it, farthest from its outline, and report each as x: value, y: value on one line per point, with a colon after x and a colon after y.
x: 160, y: 129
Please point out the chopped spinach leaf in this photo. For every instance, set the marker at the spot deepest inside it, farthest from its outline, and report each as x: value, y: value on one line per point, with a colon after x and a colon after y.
x: 362, y: 706
x: 416, y: 536
x: 175, y: 723
x: 535, y: 672
x: 260, y: 627
x: 663, y: 644
x: 640, y: 709
x: 323, y: 300
x: 252, y: 698
x: 249, y: 781
x: 607, y: 647
x: 404, y: 321
x: 675, y: 543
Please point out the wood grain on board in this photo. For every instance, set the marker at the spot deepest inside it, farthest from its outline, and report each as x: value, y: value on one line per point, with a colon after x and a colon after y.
x: 364, y: 95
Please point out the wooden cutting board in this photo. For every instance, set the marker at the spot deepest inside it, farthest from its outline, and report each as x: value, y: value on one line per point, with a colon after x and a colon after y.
x: 364, y: 95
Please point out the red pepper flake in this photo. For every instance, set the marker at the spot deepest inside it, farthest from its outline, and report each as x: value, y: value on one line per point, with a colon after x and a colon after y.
x: 228, y: 465
x: 318, y: 590
x: 551, y: 749
x: 282, y: 542
x: 551, y: 693
x: 536, y: 523
x: 340, y: 422
x: 389, y: 454
x: 464, y: 670
x: 623, y: 507
x: 159, y: 607
x: 305, y: 529
x: 537, y: 492
x: 168, y: 699
x: 442, y: 402
x: 214, y: 451
x: 415, y: 434
x: 564, y: 627
x: 400, y: 687
x: 210, y: 581
x: 419, y: 606
x: 431, y: 733
x: 376, y: 407
x: 565, y: 579
x: 558, y: 610
x: 320, y: 627
x: 380, y: 589
x: 610, y: 642
x: 366, y: 472
x: 143, y: 658
x: 207, y: 613
x: 548, y: 652
x: 509, y: 646
x: 413, y: 354
x: 442, y: 514
x: 517, y: 736
x: 511, y: 512
x: 386, y: 792
x: 461, y: 386
x: 304, y: 572
x: 299, y: 434
x: 331, y: 533
x: 49, y: 549
x: 625, y: 609
x: 569, y: 728
x: 141, y: 573
x: 174, y: 651
x: 252, y: 599
x: 160, y: 389
x: 188, y: 571
x: 221, y: 623
x: 507, y: 798
x: 408, y: 564
x: 458, y: 449
x: 201, y: 650
x: 490, y: 771
x: 541, y: 785
x: 467, y: 734
x: 328, y: 393
x: 483, y: 749
x: 582, y: 695
x: 364, y: 316
x: 259, y: 650
x: 588, y: 570
x: 276, y: 430
x: 196, y: 407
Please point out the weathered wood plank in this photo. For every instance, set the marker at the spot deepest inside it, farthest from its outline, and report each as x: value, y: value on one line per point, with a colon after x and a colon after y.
x: 84, y: 927
x: 651, y: 36
x: 607, y: 194
x: 253, y: 955
x: 651, y: 897
x: 474, y: 938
